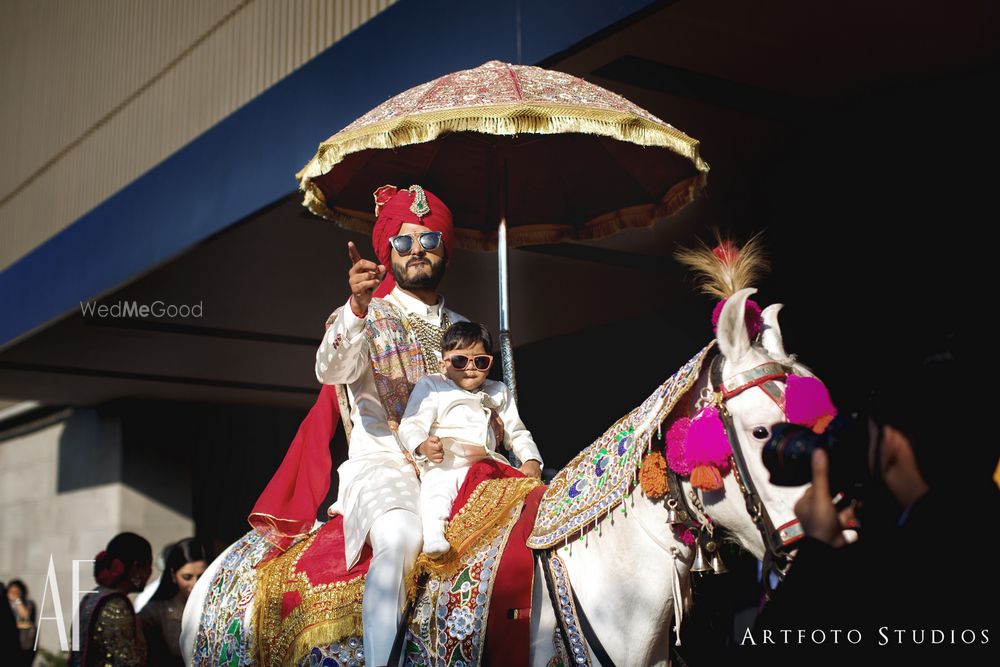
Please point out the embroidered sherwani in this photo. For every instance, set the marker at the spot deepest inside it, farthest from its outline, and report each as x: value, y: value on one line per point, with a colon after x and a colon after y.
x: 470, y: 424
x: 376, y: 476
x: 479, y: 418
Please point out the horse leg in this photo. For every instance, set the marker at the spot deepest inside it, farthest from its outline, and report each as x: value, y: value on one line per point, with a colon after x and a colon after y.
x: 624, y: 585
x: 195, y: 605
x: 543, y: 621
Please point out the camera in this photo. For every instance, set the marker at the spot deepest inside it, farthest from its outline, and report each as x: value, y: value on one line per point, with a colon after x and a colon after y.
x: 787, y: 454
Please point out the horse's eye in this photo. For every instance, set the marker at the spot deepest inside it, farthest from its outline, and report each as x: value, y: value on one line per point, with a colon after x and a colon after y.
x: 761, y: 433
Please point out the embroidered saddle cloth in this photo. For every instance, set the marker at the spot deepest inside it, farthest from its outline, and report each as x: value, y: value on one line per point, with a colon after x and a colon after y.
x: 472, y: 606
x: 307, y: 607
x: 308, y: 603
x: 225, y: 634
x: 602, y: 475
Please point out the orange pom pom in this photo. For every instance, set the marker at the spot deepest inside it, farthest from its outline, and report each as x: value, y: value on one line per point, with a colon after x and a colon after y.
x: 822, y: 423
x: 707, y: 478
x: 653, y: 475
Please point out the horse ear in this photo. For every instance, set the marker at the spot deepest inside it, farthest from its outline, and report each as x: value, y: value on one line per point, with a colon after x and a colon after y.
x: 770, y: 336
x: 732, y: 334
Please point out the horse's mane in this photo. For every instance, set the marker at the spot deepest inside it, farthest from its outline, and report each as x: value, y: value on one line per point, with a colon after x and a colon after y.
x: 727, y: 268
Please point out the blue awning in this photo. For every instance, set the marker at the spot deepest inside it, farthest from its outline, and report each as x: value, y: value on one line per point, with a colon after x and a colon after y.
x: 248, y: 160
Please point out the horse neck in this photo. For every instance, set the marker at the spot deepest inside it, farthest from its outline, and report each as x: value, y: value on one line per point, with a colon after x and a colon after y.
x: 621, y: 571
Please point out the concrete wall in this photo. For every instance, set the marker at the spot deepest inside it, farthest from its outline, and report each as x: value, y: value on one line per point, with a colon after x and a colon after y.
x: 40, y: 517
x: 94, y: 93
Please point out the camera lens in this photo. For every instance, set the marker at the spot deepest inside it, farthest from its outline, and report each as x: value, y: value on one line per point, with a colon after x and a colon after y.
x: 787, y: 455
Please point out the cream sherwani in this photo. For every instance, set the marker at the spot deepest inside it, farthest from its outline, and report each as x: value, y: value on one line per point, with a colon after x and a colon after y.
x: 376, y: 476
x: 378, y: 491
x: 463, y: 421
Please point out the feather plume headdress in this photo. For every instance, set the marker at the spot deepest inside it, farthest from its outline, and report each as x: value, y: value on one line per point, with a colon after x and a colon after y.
x: 727, y: 268
x: 698, y: 448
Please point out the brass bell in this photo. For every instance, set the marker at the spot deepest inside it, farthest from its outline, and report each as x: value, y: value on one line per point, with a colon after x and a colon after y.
x: 700, y: 563
x: 718, y: 567
x: 672, y: 515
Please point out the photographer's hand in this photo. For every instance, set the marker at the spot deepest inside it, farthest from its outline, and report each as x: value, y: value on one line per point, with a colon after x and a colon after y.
x: 815, y: 509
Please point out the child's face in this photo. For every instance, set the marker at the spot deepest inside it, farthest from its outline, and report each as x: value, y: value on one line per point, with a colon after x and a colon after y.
x: 470, y: 378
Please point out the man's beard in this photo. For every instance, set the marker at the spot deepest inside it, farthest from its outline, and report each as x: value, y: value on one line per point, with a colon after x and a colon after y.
x: 421, y: 281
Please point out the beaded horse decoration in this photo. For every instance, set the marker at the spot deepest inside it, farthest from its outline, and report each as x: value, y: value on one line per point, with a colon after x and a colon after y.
x: 698, y: 448
x: 692, y: 449
x: 702, y: 449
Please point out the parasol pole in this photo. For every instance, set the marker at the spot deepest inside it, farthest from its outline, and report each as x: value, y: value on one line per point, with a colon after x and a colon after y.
x: 506, y: 346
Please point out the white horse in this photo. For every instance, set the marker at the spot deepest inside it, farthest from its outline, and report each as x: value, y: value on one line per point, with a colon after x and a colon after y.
x: 631, y: 576
x: 622, y: 577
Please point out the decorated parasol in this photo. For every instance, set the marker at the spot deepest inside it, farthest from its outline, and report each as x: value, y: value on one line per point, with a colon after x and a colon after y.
x: 522, y: 155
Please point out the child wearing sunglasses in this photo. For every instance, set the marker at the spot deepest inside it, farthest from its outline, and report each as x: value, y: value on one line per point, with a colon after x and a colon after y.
x: 455, y: 418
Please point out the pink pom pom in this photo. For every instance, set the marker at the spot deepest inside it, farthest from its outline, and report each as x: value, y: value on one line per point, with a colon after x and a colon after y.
x: 706, y: 442
x: 807, y: 401
x: 684, y: 534
x: 751, y: 313
x: 675, y: 446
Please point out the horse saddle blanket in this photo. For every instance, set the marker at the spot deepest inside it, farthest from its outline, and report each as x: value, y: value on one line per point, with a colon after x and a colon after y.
x: 473, y: 605
x: 465, y: 603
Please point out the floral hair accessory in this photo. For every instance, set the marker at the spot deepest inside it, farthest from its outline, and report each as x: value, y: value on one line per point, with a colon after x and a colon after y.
x: 108, y: 574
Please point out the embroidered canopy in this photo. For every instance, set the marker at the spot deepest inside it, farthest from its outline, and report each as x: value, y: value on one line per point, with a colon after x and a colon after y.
x: 560, y: 157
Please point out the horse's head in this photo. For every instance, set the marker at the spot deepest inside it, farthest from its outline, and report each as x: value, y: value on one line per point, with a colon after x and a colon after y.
x: 752, y: 404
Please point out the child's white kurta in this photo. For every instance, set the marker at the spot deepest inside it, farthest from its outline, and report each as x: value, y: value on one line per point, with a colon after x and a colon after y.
x: 462, y: 420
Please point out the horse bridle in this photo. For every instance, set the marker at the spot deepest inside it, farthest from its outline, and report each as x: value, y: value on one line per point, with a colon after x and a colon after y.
x: 776, y: 540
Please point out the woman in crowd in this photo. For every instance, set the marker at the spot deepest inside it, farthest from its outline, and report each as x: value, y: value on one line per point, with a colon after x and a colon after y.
x: 161, y: 617
x: 109, y: 630
x: 24, y: 615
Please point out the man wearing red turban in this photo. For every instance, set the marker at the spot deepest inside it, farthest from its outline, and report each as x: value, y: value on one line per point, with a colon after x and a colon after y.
x: 380, y: 343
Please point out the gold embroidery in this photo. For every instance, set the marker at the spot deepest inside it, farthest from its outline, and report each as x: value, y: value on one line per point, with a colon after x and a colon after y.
x: 597, y: 479
x: 115, y: 640
x: 452, y: 608
x: 478, y: 522
x: 325, y: 613
x: 428, y: 336
x: 490, y: 501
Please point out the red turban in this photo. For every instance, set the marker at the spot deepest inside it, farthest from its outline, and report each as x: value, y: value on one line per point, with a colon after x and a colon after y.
x: 393, y: 208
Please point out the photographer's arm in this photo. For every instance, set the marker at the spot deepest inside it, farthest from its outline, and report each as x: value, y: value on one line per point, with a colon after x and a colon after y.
x: 815, y: 509
x: 825, y: 568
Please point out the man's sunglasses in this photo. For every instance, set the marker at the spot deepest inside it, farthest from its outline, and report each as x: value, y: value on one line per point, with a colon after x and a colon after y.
x: 460, y: 361
x: 403, y: 244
